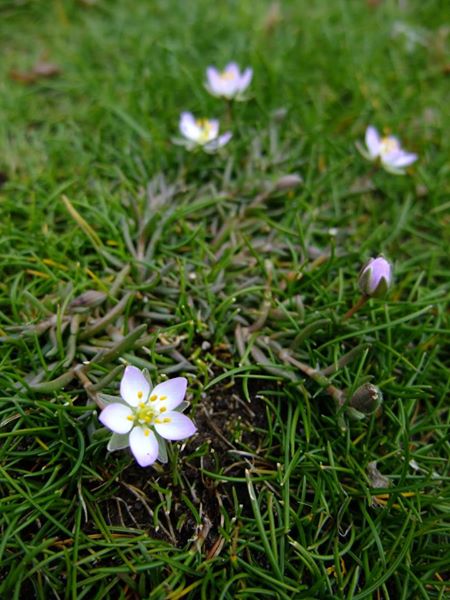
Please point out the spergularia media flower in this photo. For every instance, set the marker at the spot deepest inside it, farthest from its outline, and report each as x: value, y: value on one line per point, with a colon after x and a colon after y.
x: 229, y: 83
x: 146, y: 417
x: 376, y: 277
x: 388, y: 151
x: 201, y: 133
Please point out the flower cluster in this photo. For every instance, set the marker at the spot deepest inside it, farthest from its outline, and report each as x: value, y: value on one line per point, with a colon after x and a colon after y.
x: 231, y: 84
x: 144, y: 417
x: 204, y: 133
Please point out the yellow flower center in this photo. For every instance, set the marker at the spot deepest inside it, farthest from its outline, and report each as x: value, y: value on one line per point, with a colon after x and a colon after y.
x: 388, y: 144
x: 227, y: 75
x: 145, y: 414
x: 205, y: 127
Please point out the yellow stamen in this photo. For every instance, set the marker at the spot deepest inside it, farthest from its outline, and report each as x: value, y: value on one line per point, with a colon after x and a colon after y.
x: 163, y: 409
x: 153, y: 397
x: 163, y: 398
x: 140, y: 394
x: 167, y: 420
x: 205, y: 127
x: 130, y: 418
x: 227, y: 75
x: 144, y: 415
x: 146, y: 432
x: 389, y: 144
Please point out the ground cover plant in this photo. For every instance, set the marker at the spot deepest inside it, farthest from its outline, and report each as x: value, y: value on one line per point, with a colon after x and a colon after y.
x: 237, y: 270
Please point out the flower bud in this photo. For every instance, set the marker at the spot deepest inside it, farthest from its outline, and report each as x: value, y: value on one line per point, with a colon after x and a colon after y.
x: 375, y: 278
x: 365, y: 401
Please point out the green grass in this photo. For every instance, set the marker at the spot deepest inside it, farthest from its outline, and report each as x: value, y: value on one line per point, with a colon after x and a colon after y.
x: 275, y: 497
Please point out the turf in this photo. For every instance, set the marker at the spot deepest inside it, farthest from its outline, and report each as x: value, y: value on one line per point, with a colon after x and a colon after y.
x: 215, y: 268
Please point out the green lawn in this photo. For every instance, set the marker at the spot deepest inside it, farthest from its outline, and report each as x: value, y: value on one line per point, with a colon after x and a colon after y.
x: 207, y: 266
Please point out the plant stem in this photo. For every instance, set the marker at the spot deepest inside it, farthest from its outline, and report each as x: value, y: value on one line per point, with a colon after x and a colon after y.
x: 355, y: 307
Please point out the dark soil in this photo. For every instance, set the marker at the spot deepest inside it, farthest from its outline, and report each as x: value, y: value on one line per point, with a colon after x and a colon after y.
x: 227, y: 425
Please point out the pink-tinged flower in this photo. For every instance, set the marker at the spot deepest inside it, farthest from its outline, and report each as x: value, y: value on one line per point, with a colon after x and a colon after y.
x: 147, y: 415
x: 375, y: 278
x: 229, y: 83
x: 201, y: 133
x: 388, y: 151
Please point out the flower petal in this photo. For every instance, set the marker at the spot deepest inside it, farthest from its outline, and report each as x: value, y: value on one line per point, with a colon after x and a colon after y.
x: 176, y: 427
x: 115, y: 417
x: 169, y: 394
x: 403, y: 159
x: 214, y: 145
x: 213, y: 81
x: 212, y: 130
x: 373, y: 141
x: 188, y: 126
x: 211, y: 73
x: 144, y: 446
x: 232, y: 69
x: 230, y: 87
x: 134, y: 388
x: 245, y: 79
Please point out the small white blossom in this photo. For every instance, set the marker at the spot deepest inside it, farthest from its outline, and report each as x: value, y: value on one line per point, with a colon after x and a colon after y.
x: 388, y: 151
x: 145, y: 413
x: 201, y: 133
x: 229, y: 83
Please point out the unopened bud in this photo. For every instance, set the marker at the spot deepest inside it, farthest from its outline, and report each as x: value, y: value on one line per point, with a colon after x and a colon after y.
x: 365, y: 400
x: 375, y: 278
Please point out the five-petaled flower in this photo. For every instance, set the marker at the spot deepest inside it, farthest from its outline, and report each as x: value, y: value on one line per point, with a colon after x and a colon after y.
x: 229, y: 83
x: 201, y: 133
x: 146, y: 414
x: 388, y: 151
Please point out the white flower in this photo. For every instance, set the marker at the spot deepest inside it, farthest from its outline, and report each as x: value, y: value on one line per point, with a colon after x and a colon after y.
x: 388, y: 150
x: 203, y: 133
x: 229, y: 83
x: 146, y: 414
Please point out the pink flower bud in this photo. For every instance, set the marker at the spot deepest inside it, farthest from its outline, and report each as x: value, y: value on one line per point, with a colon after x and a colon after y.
x: 375, y: 278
